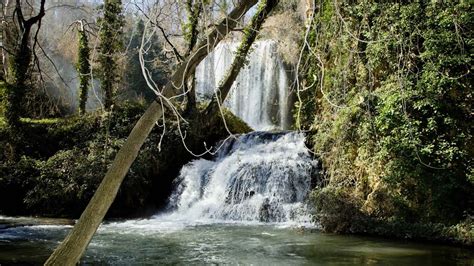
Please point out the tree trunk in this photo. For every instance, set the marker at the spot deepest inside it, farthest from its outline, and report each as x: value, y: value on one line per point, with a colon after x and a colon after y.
x: 194, y: 12
x: 71, y: 249
x: 190, y: 88
x: 20, y: 62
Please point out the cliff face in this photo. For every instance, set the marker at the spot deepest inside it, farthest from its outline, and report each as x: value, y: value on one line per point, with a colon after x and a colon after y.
x: 388, y: 98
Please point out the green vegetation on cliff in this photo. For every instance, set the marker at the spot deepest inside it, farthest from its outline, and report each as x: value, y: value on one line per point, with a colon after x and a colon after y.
x: 390, y: 111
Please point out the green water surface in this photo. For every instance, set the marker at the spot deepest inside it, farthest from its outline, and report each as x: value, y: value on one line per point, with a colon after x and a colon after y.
x: 152, y: 242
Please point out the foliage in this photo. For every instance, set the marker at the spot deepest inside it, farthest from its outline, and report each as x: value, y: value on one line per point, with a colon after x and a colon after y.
x: 390, y: 107
x: 72, y: 176
x: 84, y: 69
x: 111, y: 43
x: 336, y: 208
x: 62, y: 161
x: 15, y: 182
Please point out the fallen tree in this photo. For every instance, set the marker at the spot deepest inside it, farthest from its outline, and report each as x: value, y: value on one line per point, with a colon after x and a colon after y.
x: 72, y: 248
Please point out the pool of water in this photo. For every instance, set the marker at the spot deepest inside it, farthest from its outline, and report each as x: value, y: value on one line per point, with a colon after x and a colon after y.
x: 161, y: 241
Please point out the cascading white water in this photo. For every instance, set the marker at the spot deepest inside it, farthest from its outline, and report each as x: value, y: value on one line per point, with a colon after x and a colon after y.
x: 260, y: 94
x: 260, y: 176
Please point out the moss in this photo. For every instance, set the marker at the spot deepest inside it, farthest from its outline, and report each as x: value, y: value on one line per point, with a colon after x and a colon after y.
x: 235, y: 124
x: 83, y: 68
x: 111, y: 43
x: 43, y: 121
x: 190, y: 28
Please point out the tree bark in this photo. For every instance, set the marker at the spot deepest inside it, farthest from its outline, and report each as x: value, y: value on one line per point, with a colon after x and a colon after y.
x: 71, y: 249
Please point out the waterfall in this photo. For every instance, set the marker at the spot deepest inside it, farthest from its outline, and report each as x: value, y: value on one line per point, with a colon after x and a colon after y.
x: 260, y: 94
x: 257, y: 177
x: 261, y: 176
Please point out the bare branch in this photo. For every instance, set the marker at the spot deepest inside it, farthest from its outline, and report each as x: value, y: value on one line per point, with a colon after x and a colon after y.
x: 175, y: 51
x: 35, y: 19
x: 54, y: 66
x: 6, y: 50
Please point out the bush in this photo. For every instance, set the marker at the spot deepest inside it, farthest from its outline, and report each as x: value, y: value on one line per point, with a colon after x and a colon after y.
x: 15, y: 181
x: 336, y: 210
x: 339, y: 211
x: 68, y: 180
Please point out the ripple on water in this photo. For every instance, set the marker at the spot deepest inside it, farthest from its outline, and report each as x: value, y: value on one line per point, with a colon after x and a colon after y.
x: 168, y: 242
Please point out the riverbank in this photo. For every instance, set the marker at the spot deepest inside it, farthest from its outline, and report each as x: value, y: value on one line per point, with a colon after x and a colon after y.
x: 339, y: 212
x: 461, y: 234
x: 21, y: 221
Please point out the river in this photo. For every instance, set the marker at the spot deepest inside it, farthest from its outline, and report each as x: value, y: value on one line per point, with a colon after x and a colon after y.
x: 160, y: 241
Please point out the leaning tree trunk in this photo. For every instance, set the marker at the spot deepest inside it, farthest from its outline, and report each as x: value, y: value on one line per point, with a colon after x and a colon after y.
x: 71, y: 249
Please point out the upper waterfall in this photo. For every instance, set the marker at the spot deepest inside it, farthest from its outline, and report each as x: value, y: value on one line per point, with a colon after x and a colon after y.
x: 260, y: 95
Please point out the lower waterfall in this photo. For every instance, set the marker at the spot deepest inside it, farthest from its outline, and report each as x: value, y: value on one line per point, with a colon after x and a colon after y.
x: 260, y: 176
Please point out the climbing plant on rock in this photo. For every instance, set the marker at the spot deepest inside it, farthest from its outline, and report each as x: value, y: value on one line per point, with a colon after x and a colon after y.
x: 83, y: 68
x: 111, y: 43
